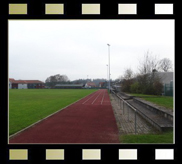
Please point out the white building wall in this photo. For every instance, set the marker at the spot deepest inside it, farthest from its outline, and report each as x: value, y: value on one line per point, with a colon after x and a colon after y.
x: 87, y: 86
x: 22, y: 86
x: 10, y: 85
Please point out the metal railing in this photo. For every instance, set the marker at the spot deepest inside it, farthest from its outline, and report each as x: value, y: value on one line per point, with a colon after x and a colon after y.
x: 123, y: 107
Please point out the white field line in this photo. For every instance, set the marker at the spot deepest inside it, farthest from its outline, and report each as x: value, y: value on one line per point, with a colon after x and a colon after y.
x: 45, y: 118
x: 103, y: 98
x: 88, y: 98
x: 96, y: 98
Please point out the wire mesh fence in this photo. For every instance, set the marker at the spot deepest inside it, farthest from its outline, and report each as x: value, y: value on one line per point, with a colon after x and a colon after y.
x: 168, y: 89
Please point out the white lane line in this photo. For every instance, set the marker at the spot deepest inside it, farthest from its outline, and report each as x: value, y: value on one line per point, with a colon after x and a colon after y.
x: 103, y: 98
x: 89, y: 98
x: 96, y: 98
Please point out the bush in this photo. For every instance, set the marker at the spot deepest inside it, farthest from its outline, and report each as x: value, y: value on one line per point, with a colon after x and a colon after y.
x: 135, y: 88
x: 126, y: 85
x: 158, y: 87
x: 144, y: 84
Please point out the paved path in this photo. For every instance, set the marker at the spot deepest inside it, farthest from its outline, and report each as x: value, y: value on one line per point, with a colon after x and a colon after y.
x: 90, y: 120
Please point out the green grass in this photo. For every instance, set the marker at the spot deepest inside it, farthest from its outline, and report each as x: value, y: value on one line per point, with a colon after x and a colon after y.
x: 27, y: 106
x: 164, y: 101
x: 166, y: 137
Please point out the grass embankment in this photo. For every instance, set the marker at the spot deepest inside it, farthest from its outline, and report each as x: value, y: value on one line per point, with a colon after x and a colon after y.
x: 165, y: 137
x: 164, y: 101
x: 27, y: 106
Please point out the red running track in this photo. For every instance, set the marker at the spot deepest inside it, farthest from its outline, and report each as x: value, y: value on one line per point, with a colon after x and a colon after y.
x: 90, y: 120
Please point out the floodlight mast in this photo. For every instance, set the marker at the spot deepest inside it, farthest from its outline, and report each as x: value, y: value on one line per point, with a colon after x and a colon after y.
x: 107, y: 76
x: 109, y: 66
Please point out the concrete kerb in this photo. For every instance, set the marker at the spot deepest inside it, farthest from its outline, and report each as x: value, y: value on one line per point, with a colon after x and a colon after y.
x: 13, y: 135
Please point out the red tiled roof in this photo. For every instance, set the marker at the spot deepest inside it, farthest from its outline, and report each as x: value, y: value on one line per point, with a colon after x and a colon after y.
x: 33, y: 81
x: 25, y: 81
x: 11, y: 79
x: 101, y: 84
x: 91, y: 84
x: 20, y: 81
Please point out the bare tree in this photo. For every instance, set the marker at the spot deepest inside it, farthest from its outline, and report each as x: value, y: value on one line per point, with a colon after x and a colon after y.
x: 51, y: 81
x: 149, y: 64
x: 57, y: 78
x: 147, y: 80
x: 128, y: 74
x: 165, y: 64
x: 120, y: 78
x: 128, y: 80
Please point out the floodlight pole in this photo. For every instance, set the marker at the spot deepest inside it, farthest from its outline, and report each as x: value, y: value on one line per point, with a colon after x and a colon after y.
x: 109, y: 66
x: 107, y: 74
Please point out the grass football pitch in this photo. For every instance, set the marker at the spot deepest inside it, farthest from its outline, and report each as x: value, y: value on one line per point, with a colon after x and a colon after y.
x: 27, y: 106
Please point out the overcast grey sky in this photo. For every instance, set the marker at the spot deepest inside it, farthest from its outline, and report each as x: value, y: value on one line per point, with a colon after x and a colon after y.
x: 77, y: 48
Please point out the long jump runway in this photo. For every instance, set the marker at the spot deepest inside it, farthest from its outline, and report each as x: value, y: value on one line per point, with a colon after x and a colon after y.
x: 90, y: 120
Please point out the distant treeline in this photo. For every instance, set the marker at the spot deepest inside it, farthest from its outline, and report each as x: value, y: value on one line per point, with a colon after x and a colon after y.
x: 63, y: 79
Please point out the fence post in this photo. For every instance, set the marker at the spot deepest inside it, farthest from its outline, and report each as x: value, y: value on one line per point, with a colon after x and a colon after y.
x: 128, y: 113
x: 135, y: 123
x: 164, y: 89
x: 120, y: 103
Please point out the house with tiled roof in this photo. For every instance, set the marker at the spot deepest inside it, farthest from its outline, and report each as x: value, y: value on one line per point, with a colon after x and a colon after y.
x: 90, y: 85
x: 21, y: 84
x: 11, y: 81
x: 25, y: 84
x: 102, y: 84
x: 31, y: 84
